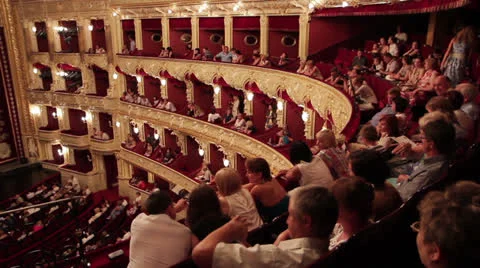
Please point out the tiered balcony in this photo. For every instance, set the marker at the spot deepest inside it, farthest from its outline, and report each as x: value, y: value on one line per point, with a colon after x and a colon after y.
x: 48, y: 135
x: 74, y: 141
x: 106, y: 146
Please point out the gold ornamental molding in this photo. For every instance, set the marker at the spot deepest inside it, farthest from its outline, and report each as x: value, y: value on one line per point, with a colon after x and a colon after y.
x: 74, y: 141
x: 325, y: 99
x: 96, y: 59
x: 230, y: 140
x: 79, y: 101
x: 67, y: 58
x: 49, y: 135
x: 103, y: 146
x: 41, y: 57
x: 157, y: 169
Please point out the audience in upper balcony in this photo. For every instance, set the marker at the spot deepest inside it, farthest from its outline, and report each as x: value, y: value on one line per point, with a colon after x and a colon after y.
x: 393, y: 47
x: 239, y: 122
x: 271, y: 117
x: 400, y: 35
x: 130, y: 143
x: 194, y: 110
x: 204, y: 213
x: 229, y: 117
x: 132, y: 47
x: 335, y: 78
x: 249, y: 128
x: 197, y: 55
x: 264, y: 62
x: 383, y: 46
x: 169, y: 52
x: 326, y: 148
x: 404, y: 72
x: 148, y: 150
x: 225, y: 55
x: 169, y: 106
x: 283, y: 60
x: 458, y: 55
x: 237, y: 56
x: 360, y: 59
x: 375, y: 50
x: 414, y: 51
x: 312, y: 215
x: 205, y: 174
x: 377, y: 66
x: 214, y: 116
x: 363, y: 94
x: 392, y: 66
x: 270, y: 197
x: 445, y: 235
x: 283, y: 138
x: 99, y: 50
x: 157, y: 240
x: 355, y: 206
x: 469, y: 92
x: 235, y: 200
x: 237, y: 105
x: 125, y: 50
x: 207, y: 55
x: 168, y: 157
x: 310, y: 69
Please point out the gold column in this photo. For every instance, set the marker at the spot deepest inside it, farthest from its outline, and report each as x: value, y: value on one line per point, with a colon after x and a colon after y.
x: 54, y: 36
x: 150, y: 177
x: 90, y: 116
x: 109, y: 46
x: 116, y: 83
x: 140, y: 85
x: 217, y: 97
x: 163, y: 88
x: 228, y: 21
x: 35, y: 80
x: 63, y: 120
x: 181, y: 141
x: 68, y: 155
x: 32, y: 36
x: 310, y: 124
x: 190, y: 91
x: 304, y: 34
x: 42, y: 118
x: 46, y: 147
x: 165, y: 32
x: 116, y: 34
x: 195, y: 32
x: 88, y: 84
x: 248, y: 104
x: 281, y: 114
x: 85, y: 35
x: 58, y: 81
x: 264, y: 34
x: 432, y: 24
x: 138, y: 33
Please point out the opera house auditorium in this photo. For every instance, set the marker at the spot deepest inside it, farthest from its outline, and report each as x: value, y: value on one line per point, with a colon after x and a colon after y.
x: 252, y: 133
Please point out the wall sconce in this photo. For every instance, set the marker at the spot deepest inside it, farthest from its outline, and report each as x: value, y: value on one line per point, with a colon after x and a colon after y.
x: 115, y: 76
x: 136, y: 130
x: 90, y: 27
x: 117, y: 124
x: 226, y: 162
x: 280, y: 105
x: 169, y: 11
x: 34, y: 29
x: 35, y: 70
x: 305, y: 116
x: 61, y: 73
x: 201, y: 152
x: 35, y: 110
x: 110, y: 123
x: 114, y: 14
x: 250, y: 96
x: 156, y: 136
x: 62, y: 151
x: 54, y: 115
x: 60, y: 29
x: 344, y: 4
x: 84, y: 119
x: 139, y: 78
x: 216, y: 90
x: 89, y: 158
x: 163, y: 82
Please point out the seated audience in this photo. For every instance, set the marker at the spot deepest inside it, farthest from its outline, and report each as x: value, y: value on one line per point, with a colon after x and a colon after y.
x: 194, y: 110
x: 369, y: 165
x: 283, y: 60
x: 445, y: 236
x: 393, y: 47
x: 414, y: 51
x: 168, y: 53
x: 197, y: 55
x: 392, y: 66
x: 375, y: 49
x: 469, y: 92
x: 236, y: 200
x: 130, y: 143
x: 204, y: 213
x: 97, y: 214
x: 283, y: 138
x: 427, y: 80
x: 149, y: 150
x: 438, y: 141
x: 204, y: 174
x: 312, y: 215
x: 214, y: 116
x: 387, y: 129
x: 335, y: 78
x: 169, y: 156
x: 38, y: 226
x: 377, y: 66
x: 99, y: 50
x: 466, y: 123
x: 404, y: 72
x: 264, y: 62
x: 383, y: 46
x: 271, y: 117
x: 228, y: 118
x: 363, y: 94
x: 157, y: 240
x: 414, y: 76
x: 399, y: 106
x: 360, y: 59
x: 367, y: 139
x: 326, y: 148
x: 169, y: 106
x: 125, y: 50
x: 249, y: 128
x: 207, y: 55
x: 443, y: 105
x: 225, y: 55
x: 391, y: 95
x: 312, y: 70
x: 269, y: 195
x: 255, y: 59
x: 355, y: 204
x: 239, y: 122
x: 237, y: 56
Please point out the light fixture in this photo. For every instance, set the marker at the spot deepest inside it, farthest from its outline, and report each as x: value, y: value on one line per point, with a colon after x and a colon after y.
x: 305, y: 116
x: 60, y: 152
x: 59, y: 112
x: 84, y: 119
x: 203, y: 7
x: 89, y: 158
x: 136, y: 130
x: 226, y: 162
x: 201, y: 152
x: 114, y: 13
x: 54, y: 115
x: 216, y: 90
x: 34, y: 29
x: 90, y: 27
x: 117, y: 124
x: 163, y: 82
x: 169, y: 11
x: 344, y: 4
x: 156, y: 136
x: 88, y: 116
x: 115, y: 76
x: 139, y: 78
x: 280, y: 105
x: 35, y: 70
x: 311, y: 5
x: 250, y: 96
x: 35, y: 110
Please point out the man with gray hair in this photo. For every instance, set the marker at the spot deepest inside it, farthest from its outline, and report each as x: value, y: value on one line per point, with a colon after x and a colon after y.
x: 313, y: 213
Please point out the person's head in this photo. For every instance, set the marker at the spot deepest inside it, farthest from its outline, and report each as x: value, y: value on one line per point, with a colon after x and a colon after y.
x: 438, y: 137
x: 388, y: 125
x: 447, y: 235
x: 466, y: 35
x: 440, y: 104
x: 368, y: 135
x: 159, y: 202
x: 131, y: 37
x: 415, y: 45
x: 325, y: 139
x: 203, y: 203
x: 138, y: 194
x: 258, y: 170
x: 399, y: 105
x: 383, y: 41
x: 205, y: 49
x: 309, y: 63
x: 387, y: 57
x: 406, y: 60
x: 375, y: 46
x: 263, y: 57
x: 299, y: 151
x: 392, y: 94
x: 355, y: 200
x: 417, y: 63
x: 369, y: 165
x: 455, y: 98
x: 430, y: 64
x: 468, y: 90
x: 283, y: 55
x: 239, y: 116
x: 228, y: 181
x: 376, y: 60
x: 441, y: 84
x: 359, y: 52
x: 196, y: 51
x: 225, y: 49
x: 392, y: 40
x: 313, y: 212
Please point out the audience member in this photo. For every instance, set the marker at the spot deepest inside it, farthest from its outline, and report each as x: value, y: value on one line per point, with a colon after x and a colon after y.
x: 228, y: 118
x: 383, y: 46
x: 466, y: 123
x: 207, y: 55
x: 335, y: 78
x: 414, y: 76
x: 237, y: 56
x: 458, y: 55
x: 393, y: 47
x: 264, y: 62
x: 283, y: 60
x: 414, y: 51
x: 271, y: 117
x: 239, y: 122
x: 427, y: 80
x: 392, y: 65
x: 204, y: 174
x: 326, y: 148
x: 197, y: 55
x: 404, y: 72
x: 377, y: 66
x: 225, y: 55
x: 400, y: 35
x: 283, y: 138
x: 469, y: 92
x: 132, y: 47
x: 360, y: 59
x: 391, y: 95
x: 214, y: 116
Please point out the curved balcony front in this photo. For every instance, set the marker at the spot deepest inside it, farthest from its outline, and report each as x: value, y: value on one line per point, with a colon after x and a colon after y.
x: 73, y: 59
x: 48, y: 135
x: 40, y: 57
x: 104, y: 146
x: 72, y: 101
x: 75, y: 141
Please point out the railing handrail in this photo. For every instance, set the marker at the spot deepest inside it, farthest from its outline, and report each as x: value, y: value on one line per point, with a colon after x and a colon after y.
x: 40, y: 205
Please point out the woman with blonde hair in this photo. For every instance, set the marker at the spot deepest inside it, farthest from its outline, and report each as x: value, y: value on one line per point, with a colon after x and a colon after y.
x: 458, y: 55
x: 235, y: 200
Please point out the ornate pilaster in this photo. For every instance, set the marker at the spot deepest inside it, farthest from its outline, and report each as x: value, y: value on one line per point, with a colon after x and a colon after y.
x: 32, y: 46
x: 117, y: 34
x: 195, y: 32
x: 68, y: 155
x: 150, y: 177
x: 248, y: 103
x: 58, y: 81
x: 181, y: 141
x: 304, y: 34
x: 109, y: 38
x: 228, y: 22
x: 264, y: 34
x: 141, y: 128
x: 116, y: 82
x: 63, y: 120
x: 281, y: 112
x: 190, y: 91
x: 54, y: 36
x: 309, y: 124
x: 85, y: 35
x: 163, y: 88
x: 138, y: 33
x: 165, y: 32
x: 35, y: 80
x: 217, y: 96
x: 88, y: 83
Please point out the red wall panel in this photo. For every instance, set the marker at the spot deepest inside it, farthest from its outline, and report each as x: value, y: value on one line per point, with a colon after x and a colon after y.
x: 283, y: 22
x: 216, y: 159
x: 56, y: 157
x: 152, y: 87
x: 203, y: 96
x: 177, y: 93
x: 101, y: 81
x: 246, y: 23
x: 77, y: 126
x: 205, y: 42
x: 131, y: 82
x: 194, y: 159
x: 276, y: 48
x: 128, y: 29
x: 111, y: 170
x: 82, y: 161
x: 98, y: 34
x: 149, y: 27
x: 178, y: 27
x: 52, y: 122
x: 42, y: 38
x: 238, y: 43
x: 171, y: 140
x: 211, y: 23
x: 295, y: 124
x: 318, y: 123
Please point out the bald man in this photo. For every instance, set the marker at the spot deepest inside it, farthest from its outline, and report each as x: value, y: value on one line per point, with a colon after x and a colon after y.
x: 441, y: 84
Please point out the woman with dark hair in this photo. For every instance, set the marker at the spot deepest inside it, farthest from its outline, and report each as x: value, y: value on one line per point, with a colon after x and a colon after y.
x: 270, y: 197
x: 459, y: 54
x: 204, y: 213
x: 369, y: 165
x: 197, y: 55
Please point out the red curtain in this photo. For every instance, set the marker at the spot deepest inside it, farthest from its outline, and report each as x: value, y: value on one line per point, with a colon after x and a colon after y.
x: 203, y: 96
x: 295, y: 124
x: 52, y: 121
x: 152, y: 87
x: 216, y: 159
x: 42, y: 38
x: 102, y: 82
x: 83, y: 160
x: 98, y: 34
x: 77, y: 126
x: 69, y: 40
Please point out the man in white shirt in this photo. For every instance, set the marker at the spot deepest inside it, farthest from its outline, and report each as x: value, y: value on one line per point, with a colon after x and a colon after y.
x: 313, y: 212
x: 157, y: 240
x: 392, y: 65
x: 392, y: 46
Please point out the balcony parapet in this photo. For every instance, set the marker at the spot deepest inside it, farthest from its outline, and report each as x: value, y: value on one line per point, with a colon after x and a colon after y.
x: 73, y: 59
x: 75, y: 141
x: 96, y: 59
x: 41, y: 57
x: 87, y: 102
x: 104, y: 146
x: 48, y: 135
